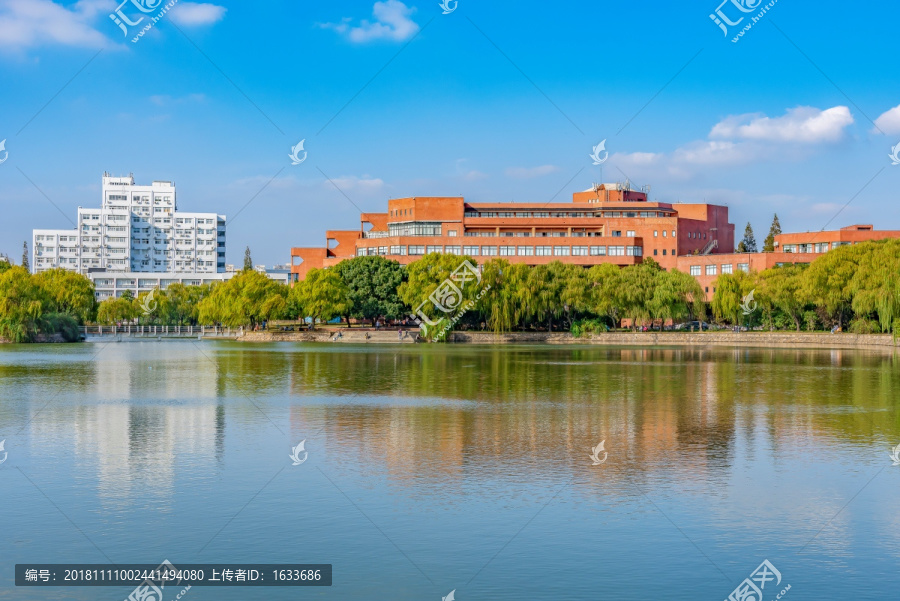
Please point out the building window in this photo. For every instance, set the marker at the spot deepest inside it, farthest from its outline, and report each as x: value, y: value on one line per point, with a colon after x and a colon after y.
x: 616, y: 234
x: 745, y: 267
x: 527, y: 251
x: 695, y: 270
x: 398, y: 250
x: 617, y: 251
x: 416, y: 250
x: 664, y: 252
x: 451, y: 232
x: 433, y: 249
x: 673, y: 233
x: 451, y: 250
x: 508, y: 251
x: 414, y: 229
x: 655, y: 233
x: 560, y: 251
x: 806, y: 248
x: 489, y: 251
x: 382, y: 250
x: 598, y: 251
x: 630, y: 233
x: 664, y: 233
x: 789, y: 248
x: 634, y: 251
x: 580, y: 251
x: 544, y: 251
x: 360, y: 252
x: 654, y: 252
x: 710, y: 270
x: 472, y: 251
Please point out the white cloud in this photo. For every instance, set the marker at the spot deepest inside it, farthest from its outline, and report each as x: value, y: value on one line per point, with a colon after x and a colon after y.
x: 31, y: 23
x: 742, y: 140
x: 474, y: 176
x: 529, y: 172
x: 889, y: 121
x: 196, y: 13
x: 803, y: 125
x: 392, y: 22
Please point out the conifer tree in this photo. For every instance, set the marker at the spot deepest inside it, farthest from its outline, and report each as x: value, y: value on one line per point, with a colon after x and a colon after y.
x: 774, y: 230
x: 25, y: 256
x: 748, y: 244
x: 248, y: 260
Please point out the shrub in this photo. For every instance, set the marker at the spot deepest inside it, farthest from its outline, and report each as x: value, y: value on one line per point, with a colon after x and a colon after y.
x: 810, y: 318
x: 60, y: 323
x: 862, y: 325
x: 582, y: 328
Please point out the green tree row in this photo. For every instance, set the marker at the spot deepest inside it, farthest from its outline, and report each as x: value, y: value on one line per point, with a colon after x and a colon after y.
x: 853, y: 285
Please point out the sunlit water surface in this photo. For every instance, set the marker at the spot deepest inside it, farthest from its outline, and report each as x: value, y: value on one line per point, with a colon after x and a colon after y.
x: 434, y: 468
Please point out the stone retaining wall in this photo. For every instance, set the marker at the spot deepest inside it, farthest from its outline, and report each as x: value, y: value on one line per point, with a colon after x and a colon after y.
x: 759, y: 339
x: 764, y: 339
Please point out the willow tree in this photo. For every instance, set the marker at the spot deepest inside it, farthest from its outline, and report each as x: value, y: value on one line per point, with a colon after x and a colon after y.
x: 782, y: 288
x: 431, y: 293
x: 828, y: 280
x: 876, y: 285
x: 676, y: 295
x: 115, y: 310
x: 68, y: 292
x: 728, y: 303
x: 572, y: 287
x: 502, y: 304
x: 604, y: 282
x: 322, y: 295
x: 246, y: 299
x: 21, y: 305
x: 636, y: 291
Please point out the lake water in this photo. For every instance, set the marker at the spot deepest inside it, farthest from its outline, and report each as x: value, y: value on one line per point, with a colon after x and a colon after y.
x: 434, y: 468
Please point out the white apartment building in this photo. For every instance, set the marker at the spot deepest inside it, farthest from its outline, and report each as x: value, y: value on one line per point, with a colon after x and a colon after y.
x: 137, y: 230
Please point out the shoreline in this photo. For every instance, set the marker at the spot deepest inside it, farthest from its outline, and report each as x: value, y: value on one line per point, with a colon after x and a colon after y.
x: 821, y: 340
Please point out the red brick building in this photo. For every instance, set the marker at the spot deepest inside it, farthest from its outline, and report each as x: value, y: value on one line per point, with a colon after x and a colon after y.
x: 610, y: 223
x: 789, y: 249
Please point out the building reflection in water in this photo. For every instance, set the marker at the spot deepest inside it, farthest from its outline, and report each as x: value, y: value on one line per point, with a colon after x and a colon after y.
x: 144, y: 415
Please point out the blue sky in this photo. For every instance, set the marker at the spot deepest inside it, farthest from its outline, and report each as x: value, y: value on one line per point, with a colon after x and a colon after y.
x: 496, y: 101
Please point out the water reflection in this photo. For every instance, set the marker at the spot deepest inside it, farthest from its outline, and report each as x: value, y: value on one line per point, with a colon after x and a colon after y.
x: 135, y: 407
